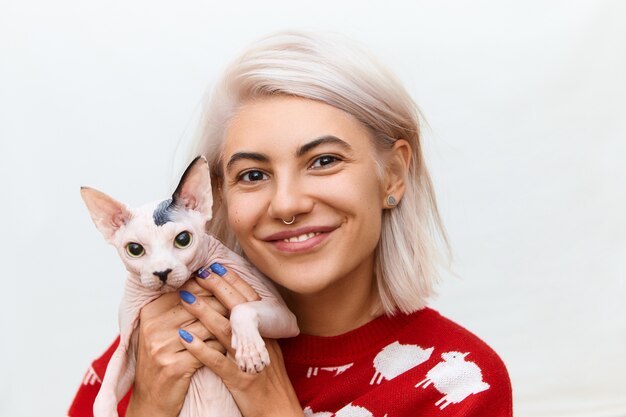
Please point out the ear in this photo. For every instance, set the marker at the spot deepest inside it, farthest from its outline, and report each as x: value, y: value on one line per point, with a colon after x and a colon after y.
x: 108, y: 214
x: 397, y: 171
x: 194, y: 190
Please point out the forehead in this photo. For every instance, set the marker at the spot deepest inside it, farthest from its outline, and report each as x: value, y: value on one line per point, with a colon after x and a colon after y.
x: 285, y: 123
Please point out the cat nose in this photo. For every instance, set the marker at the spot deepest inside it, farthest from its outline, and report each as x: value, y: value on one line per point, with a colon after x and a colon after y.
x: 162, y: 274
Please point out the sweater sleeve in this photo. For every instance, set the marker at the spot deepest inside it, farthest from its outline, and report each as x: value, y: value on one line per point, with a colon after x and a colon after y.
x: 82, y: 405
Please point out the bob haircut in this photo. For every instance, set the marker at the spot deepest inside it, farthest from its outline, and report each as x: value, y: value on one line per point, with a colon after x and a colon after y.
x: 331, y: 69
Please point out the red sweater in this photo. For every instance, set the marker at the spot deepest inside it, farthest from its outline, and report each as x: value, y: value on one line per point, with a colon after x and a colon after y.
x: 420, y: 364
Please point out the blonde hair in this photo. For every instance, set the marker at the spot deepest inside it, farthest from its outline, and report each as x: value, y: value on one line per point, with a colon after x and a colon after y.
x: 333, y: 70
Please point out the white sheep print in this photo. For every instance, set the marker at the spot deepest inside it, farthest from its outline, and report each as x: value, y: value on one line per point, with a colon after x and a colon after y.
x: 455, y: 377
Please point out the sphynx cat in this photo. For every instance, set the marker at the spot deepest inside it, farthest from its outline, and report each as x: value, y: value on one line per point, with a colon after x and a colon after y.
x: 162, y: 245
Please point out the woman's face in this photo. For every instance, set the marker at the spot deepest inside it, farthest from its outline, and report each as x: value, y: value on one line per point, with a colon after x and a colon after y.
x: 286, y: 157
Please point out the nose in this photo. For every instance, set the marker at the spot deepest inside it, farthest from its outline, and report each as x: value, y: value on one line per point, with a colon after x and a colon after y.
x: 162, y: 274
x: 290, y: 197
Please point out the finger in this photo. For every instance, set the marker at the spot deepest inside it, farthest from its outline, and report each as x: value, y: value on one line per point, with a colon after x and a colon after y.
x: 169, y: 301
x: 224, y: 285
x: 215, y: 345
x: 214, y: 359
x: 200, y: 330
x: 213, y: 321
x: 196, y: 326
x: 192, y: 286
x: 214, y: 303
x: 174, y: 317
x: 168, y: 315
x: 187, y: 360
x: 236, y: 281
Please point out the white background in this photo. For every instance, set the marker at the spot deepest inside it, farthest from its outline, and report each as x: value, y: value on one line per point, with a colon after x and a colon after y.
x: 526, y: 141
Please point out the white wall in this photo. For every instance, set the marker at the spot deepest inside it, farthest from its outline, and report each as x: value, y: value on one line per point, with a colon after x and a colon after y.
x: 525, y: 102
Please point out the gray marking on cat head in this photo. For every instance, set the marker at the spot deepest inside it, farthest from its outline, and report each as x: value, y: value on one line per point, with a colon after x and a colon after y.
x: 163, y: 213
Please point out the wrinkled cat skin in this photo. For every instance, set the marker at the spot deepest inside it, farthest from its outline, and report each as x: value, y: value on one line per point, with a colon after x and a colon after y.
x: 161, y: 260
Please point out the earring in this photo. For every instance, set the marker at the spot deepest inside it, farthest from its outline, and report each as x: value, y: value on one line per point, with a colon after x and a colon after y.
x: 391, y: 201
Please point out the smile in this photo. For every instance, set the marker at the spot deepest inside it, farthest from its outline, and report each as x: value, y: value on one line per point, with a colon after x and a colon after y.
x: 301, y: 238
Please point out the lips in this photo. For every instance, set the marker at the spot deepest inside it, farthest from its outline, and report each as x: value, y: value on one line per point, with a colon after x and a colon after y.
x: 300, y: 239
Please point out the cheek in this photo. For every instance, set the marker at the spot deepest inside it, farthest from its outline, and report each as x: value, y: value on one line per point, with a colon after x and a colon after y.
x: 243, y: 212
x: 133, y: 266
x: 358, y: 194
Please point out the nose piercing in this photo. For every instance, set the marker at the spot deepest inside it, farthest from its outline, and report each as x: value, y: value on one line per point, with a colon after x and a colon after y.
x: 293, y: 219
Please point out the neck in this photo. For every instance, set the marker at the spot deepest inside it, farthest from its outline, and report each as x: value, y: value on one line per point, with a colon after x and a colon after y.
x: 336, y: 310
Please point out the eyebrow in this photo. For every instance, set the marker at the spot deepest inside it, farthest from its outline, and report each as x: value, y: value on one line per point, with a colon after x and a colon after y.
x: 302, y: 150
x: 320, y: 141
x: 255, y: 156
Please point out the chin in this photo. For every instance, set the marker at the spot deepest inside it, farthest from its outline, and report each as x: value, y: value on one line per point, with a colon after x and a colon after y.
x: 305, y: 287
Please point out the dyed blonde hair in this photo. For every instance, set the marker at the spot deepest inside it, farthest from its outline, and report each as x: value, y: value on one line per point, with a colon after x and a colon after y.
x: 333, y: 70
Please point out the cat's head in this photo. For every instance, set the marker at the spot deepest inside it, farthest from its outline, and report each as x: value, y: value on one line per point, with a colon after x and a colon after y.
x: 163, y: 243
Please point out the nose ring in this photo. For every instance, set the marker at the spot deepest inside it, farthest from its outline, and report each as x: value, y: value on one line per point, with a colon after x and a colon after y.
x: 293, y: 219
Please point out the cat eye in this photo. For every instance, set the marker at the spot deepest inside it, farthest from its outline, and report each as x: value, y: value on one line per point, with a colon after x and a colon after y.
x: 182, y: 240
x: 135, y: 250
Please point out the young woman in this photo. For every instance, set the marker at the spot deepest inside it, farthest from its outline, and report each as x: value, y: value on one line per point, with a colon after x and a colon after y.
x: 320, y: 182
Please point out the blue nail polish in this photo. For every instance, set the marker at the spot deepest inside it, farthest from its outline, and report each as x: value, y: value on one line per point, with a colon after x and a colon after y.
x: 218, y: 269
x: 203, y: 273
x: 187, y: 297
x: 185, y: 336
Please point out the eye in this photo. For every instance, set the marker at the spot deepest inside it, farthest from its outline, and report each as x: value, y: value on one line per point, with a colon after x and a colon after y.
x: 183, y: 239
x: 253, y: 175
x: 135, y: 250
x: 324, y: 161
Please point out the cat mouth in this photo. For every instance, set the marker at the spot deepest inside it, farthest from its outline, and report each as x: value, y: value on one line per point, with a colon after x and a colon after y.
x: 173, y: 284
x: 173, y: 280
x: 168, y: 288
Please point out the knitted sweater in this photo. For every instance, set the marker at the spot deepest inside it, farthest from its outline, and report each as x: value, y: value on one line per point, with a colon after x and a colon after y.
x: 420, y: 364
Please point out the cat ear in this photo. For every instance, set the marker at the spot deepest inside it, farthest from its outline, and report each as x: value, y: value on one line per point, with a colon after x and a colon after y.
x: 194, y: 190
x: 107, y: 213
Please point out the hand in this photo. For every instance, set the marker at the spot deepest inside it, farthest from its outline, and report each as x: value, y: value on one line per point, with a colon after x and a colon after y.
x: 268, y: 393
x: 164, y: 368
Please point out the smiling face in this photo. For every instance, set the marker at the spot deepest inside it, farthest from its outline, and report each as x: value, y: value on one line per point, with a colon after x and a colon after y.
x: 285, y: 157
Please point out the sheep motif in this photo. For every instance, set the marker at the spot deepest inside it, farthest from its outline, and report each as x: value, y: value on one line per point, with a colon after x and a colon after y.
x: 396, y: 359
x: 338, y: 370
x: 353, y: 411
x: 347, y: 411
x: 456, y: 378
x: 308, y: 412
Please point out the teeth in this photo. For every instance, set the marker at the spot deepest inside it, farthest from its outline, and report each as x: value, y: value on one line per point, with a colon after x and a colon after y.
x: 300, y: 238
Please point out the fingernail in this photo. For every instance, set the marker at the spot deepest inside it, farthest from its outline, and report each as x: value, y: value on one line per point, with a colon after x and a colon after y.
x: 186, y: 336
x: 218, y: 269
x: 187, y: 297
x: 203, y: 273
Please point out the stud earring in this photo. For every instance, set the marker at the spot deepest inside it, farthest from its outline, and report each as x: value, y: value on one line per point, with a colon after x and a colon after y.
x: 391, y: 201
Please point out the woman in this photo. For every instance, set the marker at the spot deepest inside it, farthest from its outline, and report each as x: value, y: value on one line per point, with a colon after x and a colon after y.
x: 320, y: 182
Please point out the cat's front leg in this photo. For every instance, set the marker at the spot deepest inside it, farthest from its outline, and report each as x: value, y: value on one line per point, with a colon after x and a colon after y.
x: 249, y: 321
x: 250, y: 352
x: 105, y: 404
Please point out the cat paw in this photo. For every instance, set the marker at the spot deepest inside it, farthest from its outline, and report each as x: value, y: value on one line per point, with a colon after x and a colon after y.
x: 250, y: 352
